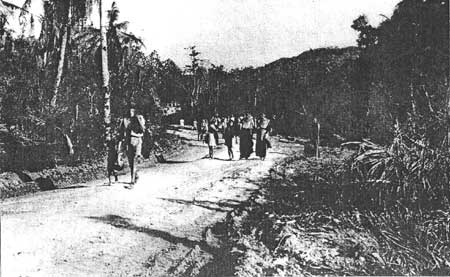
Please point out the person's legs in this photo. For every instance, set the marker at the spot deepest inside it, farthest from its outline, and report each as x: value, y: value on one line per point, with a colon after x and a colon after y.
x: 241, y: 148
x: 137, y: 143
x: 262, y: 151
x: 230, y: 153
x: 211, y: 152
x: 130, y: 156
x: 133, y: 150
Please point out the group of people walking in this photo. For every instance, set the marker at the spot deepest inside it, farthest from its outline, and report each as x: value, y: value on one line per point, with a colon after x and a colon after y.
x: 235, y: 130
x: 238, y: 130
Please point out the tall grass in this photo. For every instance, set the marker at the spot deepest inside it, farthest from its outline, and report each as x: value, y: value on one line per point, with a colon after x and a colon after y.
x: 406, y: 173
x: 407, y: 184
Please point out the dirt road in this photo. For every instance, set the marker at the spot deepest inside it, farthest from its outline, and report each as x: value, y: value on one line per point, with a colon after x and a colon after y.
x: 96, y: 230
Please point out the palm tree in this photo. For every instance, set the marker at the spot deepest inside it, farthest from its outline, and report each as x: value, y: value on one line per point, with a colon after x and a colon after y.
x: 67, y: 17
x: 105, y: 74
x: 60, y: 16
x: 113, y: 35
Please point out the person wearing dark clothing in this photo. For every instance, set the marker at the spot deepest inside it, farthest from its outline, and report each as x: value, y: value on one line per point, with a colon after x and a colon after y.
x: 198, y: 127
x: 115, y: 161
x: 228, y: 135
x: 245, y: 137
x: 262, y: 136
x: 236, y: 128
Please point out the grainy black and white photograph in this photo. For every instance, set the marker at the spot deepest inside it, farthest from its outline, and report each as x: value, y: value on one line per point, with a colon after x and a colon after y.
x: 224, y: 138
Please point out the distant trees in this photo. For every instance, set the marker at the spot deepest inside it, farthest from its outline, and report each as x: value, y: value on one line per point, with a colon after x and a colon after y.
x: 367, y: 34
x: 193, y: 69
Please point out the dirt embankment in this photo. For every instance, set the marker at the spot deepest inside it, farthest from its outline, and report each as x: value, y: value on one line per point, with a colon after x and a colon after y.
x: 274, y: 235
x: 297, y: 224
x: 13, y: 184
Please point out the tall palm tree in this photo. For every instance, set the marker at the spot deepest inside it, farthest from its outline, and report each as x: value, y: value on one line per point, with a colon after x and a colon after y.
x: 113, y: 35
x: 59, y: 18
x: 105, y: 74
x: 67, y: 18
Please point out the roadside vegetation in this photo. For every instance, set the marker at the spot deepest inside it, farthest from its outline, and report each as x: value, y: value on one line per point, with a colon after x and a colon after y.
x: 378, y: 211
x: 380, y: 204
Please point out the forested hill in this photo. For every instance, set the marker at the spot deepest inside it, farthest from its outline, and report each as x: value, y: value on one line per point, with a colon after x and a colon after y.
x: 397, y: 74
x: 318, y: 83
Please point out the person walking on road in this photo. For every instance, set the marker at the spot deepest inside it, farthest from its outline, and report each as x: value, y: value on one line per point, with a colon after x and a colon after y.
x: 245, y: 136
x: 228, y: 135
x: 211, y: 139
x: 132, y: 131
x: 216, y: 122
x: 262, y: 136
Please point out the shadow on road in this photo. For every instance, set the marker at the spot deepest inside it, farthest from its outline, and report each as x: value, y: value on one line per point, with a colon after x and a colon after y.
x: 225, y: 160
x: 75, y: 187
x: 125, y: 223
x: 278, y: 153
x: 180, y: 162
x: 221, y: 206
x: 176, y: 162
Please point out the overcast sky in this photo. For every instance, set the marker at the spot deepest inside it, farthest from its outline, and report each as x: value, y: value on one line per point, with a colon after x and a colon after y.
x: 238, y: 33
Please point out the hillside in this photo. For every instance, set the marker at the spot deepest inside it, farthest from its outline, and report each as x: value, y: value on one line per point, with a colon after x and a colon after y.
x: 318, y: 83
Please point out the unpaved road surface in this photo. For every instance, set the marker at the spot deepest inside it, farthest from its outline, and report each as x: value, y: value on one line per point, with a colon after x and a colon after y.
x: 98, y: 230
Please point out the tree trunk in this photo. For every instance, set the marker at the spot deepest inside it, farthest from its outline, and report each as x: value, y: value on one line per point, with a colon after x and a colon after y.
x: 105, y: 75
x: 448, y: 111
x: 448, y: 96
x: 62, y: 58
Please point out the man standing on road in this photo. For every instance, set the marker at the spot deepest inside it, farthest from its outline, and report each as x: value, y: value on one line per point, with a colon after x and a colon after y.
x: 132, y: 130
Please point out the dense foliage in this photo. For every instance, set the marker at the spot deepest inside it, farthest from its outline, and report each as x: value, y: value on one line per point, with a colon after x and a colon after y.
x: 36, y: 109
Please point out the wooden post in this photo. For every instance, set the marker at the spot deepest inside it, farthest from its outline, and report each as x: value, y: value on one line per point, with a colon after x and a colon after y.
x: 318, y: 140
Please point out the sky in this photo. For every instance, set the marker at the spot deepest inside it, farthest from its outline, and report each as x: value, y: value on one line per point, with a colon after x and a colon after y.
x: 240, y: 33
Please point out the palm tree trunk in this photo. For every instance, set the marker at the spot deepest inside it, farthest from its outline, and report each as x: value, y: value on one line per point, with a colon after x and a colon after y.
x: 448, y: 95
x: 61, y: 61
x: 105, y: 76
